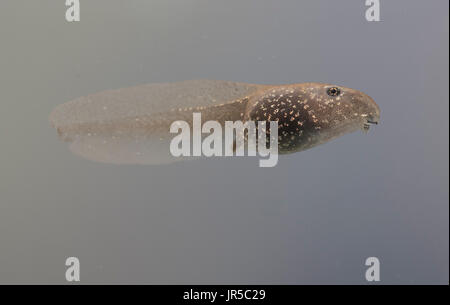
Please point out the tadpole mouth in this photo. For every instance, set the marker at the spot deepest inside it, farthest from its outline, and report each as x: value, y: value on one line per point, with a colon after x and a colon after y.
x: 368, y: 123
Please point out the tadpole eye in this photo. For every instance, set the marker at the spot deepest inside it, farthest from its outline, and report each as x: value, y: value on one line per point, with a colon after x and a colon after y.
x: 333, y: 91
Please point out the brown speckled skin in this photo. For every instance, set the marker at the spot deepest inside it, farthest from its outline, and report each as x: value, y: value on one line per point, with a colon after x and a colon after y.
x: 307, y: 115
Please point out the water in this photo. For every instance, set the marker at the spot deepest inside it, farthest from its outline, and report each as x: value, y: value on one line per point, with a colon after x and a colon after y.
x: 314, y: 218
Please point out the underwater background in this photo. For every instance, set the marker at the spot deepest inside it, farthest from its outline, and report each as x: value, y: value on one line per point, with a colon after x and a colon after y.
x: 312, y: 219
